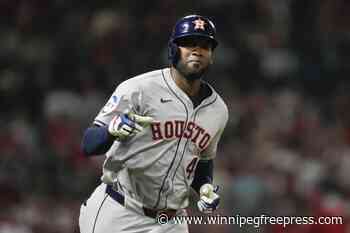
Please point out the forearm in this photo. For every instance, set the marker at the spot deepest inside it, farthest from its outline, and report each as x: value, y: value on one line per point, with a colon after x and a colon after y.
x: 96, y: 141
x: 203, y: 174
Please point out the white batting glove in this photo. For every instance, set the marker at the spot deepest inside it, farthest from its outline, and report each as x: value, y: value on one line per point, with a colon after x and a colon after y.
x: 125, y: 126
x: 208, y: 198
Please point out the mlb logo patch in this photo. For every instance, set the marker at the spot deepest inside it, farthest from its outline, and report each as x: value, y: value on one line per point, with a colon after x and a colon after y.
x: 110, y: 106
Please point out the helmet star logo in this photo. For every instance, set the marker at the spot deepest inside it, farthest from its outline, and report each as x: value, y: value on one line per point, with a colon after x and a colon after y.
x: 199, y: 24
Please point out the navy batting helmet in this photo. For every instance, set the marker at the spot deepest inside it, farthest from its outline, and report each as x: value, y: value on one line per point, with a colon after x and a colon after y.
x: 191, y: 25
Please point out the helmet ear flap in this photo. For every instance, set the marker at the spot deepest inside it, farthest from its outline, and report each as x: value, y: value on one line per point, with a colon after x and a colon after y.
x: 173, y: 52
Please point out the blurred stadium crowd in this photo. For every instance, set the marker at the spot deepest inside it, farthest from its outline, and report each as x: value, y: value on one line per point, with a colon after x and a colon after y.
x: 282, y: 66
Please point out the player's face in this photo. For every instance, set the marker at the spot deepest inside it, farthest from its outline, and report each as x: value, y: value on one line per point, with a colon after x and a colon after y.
x: 195, y: 56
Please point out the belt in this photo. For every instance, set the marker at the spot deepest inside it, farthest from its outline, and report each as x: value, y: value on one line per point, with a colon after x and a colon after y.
x: 152, y: 213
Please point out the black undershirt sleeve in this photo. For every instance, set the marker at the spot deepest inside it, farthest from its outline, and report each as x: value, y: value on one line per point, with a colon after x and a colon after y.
x: 203, y: 174
x: 96, y: 141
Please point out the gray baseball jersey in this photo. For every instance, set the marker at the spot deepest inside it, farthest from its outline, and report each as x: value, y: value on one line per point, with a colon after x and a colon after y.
x: 156, y: 166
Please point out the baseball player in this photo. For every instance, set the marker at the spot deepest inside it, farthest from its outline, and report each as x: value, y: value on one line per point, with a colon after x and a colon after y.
x: 160, y: 132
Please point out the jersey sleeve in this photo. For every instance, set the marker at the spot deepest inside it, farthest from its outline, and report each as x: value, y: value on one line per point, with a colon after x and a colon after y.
x: 127, y: 97
x: 210, y: 151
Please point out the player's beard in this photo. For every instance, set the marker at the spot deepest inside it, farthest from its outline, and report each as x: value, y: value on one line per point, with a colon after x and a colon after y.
x: 191, y: 73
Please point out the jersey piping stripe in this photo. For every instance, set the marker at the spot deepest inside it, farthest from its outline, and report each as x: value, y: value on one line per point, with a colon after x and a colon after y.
x: 194, y: 120
x: 100, y: 123
x: 177, y: 146
x: 98, y: 212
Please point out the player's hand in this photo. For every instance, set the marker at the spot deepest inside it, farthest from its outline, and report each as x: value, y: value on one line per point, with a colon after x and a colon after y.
x: 209, y: 199
x: 127, y: 125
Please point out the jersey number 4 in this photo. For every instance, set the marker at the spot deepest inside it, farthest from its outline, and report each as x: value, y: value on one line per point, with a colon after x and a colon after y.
x: 191, y: 167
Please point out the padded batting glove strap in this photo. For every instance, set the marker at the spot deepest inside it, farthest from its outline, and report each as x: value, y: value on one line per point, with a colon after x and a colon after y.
x: 125, y: 126
x: 209, y: 199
